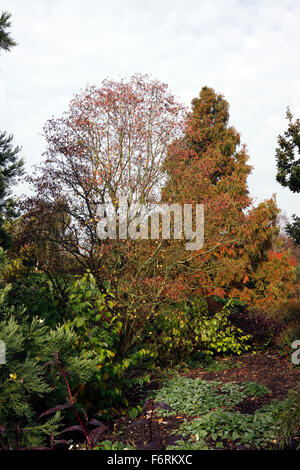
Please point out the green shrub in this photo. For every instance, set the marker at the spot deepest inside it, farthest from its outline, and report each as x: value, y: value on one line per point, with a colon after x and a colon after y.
x: 100, y: 328
x: 195, y: 396
x: 196, y: 444
x: 254, y: 389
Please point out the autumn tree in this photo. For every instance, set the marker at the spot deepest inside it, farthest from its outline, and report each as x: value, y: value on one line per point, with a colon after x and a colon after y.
x: 209, y: 165
x: 111, y: 142
x: 267, y: 277
x: 133, y: 138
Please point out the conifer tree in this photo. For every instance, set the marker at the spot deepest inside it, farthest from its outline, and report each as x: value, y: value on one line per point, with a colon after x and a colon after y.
x: 6, y: 41
x: 210, y: 166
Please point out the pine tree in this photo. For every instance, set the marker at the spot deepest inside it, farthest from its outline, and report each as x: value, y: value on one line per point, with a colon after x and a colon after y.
x: 11, y: 166
x: 6, y: 42
x: 30, y: 382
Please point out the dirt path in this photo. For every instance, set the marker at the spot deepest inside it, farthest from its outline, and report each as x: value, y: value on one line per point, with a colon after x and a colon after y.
x: 268, y: 369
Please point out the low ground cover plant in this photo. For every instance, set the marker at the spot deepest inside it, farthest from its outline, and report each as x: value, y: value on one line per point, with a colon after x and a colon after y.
x: 211, y: 405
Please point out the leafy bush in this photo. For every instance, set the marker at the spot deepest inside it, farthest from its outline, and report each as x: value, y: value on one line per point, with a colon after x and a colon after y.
x: 254, y: 389
x: 186, y: 327
x: 30, y: 381
x: 100, y: 328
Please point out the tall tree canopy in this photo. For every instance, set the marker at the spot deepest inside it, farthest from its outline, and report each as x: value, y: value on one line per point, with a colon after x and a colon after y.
x: 112, y: 141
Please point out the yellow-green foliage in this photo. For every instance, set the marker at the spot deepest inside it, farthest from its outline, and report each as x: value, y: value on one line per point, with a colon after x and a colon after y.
x: 187, y: 327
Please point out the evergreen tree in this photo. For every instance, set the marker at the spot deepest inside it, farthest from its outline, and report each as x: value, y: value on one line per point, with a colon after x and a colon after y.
x: 30, y: 382
x: 293, y: 229
x: 6, y: 42
x: 209, y: 157
x: 10, y: 168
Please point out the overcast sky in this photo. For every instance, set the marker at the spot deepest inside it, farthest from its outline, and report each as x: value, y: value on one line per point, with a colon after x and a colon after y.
x: 248, y: 50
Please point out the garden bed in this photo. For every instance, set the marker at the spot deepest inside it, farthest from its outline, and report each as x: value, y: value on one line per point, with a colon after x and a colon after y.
x: 242, y: 391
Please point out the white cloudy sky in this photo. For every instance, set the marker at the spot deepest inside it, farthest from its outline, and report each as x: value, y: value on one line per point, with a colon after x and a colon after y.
x: 248, y: 50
